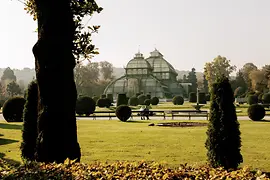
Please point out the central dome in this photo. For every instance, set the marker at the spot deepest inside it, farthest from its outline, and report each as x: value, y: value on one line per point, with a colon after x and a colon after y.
x: 138, y: 62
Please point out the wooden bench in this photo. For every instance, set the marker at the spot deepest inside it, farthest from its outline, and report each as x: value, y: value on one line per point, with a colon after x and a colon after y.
x: 157, y: 113
x: 98, y: 114
x: 189, y: 113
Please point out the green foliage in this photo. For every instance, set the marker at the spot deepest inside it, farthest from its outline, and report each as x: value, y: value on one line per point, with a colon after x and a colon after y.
x: 8, y: 74
x: 207, y: 97
x: 102, y: 103
x: 256, y: 112
x: 85, y: 105
x: 121, y: 170
x: 141, y: 98
x: 30, y: 116
x: 266, y: 98
x: 133, y: 101
x: 202, y: 98
x: 137, y: 94
x: 192, y: 97
x: 239, y: 92
x: 13, y: 109
x: 147, y: 102
x: 13, y: 89
x: 252, y: 99
x: 192, y: 78
x: 103, y: 96
x: 123, y: 112
x: 223, y: 135
x: 148, y: 96
x: 110, y: 97
x: 121, y: 100
x: 154, y: 101
x: 178, y: 100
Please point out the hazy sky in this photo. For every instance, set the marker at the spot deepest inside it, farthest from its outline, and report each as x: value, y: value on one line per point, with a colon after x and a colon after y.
x: 187, y: 32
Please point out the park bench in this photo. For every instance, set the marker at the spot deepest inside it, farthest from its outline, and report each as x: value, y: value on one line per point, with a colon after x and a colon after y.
x: 188, y: 113
x: 152, y: 113
x: 98, y: 114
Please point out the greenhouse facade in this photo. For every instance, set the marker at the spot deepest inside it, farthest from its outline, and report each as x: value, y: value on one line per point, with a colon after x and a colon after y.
x: 153, y: 75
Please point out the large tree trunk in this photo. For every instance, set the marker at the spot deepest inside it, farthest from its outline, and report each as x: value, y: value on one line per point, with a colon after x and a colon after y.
x: 57, y: 130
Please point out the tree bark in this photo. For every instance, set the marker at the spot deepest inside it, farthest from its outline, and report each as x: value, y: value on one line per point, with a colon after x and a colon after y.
x: 57, y: 129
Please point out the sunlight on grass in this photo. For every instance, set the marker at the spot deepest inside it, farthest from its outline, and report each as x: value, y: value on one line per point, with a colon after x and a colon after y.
x: 112, y: 140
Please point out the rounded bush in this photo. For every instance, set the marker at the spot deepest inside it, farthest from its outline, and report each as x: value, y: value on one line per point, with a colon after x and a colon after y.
x: 154, y: 101
x: 123, y: 112
x: 137, y: 94
x: 133, y: 101
x: 147, y: 102
x: 101, y: 103
x: 260, y: 98
x: 239, y: 92
x: 110, y: 97
x: 256, y: 112
x: 202, y: 98
x: 252, y: 99
x: 148, y: 96
x: 85, y: 105
x: 192, y: 97
x: 121, y: 100
x: 102, y: 96
x: 178, y: 100
x: 266, y: 98
x: 141, y: 98
x: 13, y: 109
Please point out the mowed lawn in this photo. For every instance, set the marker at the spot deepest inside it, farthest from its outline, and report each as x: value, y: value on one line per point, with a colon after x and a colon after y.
x: 112, y: 140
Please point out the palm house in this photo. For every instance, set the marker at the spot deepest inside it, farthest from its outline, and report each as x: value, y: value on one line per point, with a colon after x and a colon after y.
x: 153, y: 75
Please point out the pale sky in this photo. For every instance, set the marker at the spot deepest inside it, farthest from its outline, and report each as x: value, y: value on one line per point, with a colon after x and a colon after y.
x: 188, y: 33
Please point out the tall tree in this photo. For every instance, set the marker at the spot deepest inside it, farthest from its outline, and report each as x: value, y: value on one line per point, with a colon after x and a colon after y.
x: 192, y: 78
x: 223, y: 135
x: 60, y: 37
x: 258, y: 80
x: 13, y: 89
x: 246, y: 70
x: 218, y: 68
x: 205, y: 84
x: 8, y: 74
x: 106, y: 70
x: 240, y: 81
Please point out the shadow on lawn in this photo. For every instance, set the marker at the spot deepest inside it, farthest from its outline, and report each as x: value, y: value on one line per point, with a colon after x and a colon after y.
x: 140, y: 121
x: 10, y: 126
x: 7, y: 141
x: 9, y: 162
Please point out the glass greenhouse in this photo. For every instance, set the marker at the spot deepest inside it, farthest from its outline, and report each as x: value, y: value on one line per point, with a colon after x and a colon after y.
x: 152, y: 75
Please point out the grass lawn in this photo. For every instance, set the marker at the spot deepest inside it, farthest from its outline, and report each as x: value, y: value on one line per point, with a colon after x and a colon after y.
x: 105, y: 140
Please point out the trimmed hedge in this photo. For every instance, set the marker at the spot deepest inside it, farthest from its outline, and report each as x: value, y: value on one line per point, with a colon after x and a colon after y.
x: 252, y: 99
x: 256, y: 112
x: 95, y: 98
x: 148, y: 96
x: 192, y: 97
x: 147, y: 102
x: 121, y: 100
x: 133, y: 101
x: 202, y: 98
x: 102, y: 102
x: 85, y: 105
x: 266, y: 98
x: 110, y: 97
x: 141, y: 98
x: 154, y: 101
x: 123, y: 112
x: 178, y: 100
x: 13, y: 109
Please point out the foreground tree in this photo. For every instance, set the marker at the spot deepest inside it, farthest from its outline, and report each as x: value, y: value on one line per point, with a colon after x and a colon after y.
x: 223, y: 135
x: 59, y: 39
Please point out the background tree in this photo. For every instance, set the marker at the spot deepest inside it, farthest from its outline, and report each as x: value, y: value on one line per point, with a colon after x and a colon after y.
x: 240, y: 81
x: 8, y: 74
x: 185, y: 78
x: 106, y: 70
x: 61, y: 36
x: 205, y: 84
x: 223, y: 135
x: 219, y: 67
x: 192, y: 78
x: 13, y: 89
x: 258, y: 81
x: 246, y: 70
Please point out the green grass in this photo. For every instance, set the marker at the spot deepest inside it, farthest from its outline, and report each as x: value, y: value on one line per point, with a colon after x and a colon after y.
x: 105, y: 140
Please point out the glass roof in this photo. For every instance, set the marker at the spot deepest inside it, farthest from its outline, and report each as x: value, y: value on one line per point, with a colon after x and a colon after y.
x: 138, y: 62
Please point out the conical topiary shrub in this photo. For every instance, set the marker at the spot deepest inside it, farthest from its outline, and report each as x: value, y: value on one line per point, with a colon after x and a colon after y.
x: 223, y: 135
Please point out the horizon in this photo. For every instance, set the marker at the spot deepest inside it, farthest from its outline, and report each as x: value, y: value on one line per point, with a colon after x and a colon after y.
x: 187, y: 33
